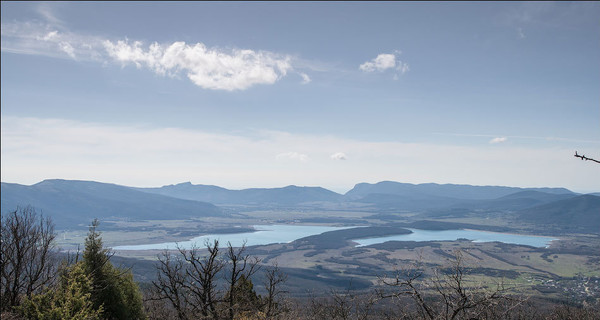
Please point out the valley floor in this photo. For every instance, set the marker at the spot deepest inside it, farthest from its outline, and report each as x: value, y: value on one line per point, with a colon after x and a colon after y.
x: 568, y: 270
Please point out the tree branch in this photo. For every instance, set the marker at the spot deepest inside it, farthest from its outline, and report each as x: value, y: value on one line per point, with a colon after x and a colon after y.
x: 585, y: 158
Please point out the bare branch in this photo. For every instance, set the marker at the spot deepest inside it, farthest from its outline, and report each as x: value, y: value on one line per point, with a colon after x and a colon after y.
x: 585, y: 158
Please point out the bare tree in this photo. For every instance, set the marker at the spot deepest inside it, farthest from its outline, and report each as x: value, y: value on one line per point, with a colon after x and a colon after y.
x: 188, y: 281
x: 201, y: 276
x: 27, y: 258
x: 343, y: 305
x: 448, y: 294
x: 274, y: 278
x: 240, y: 266
x: 170, y: 284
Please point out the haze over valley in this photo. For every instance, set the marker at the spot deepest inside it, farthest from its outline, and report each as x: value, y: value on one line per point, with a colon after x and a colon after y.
x: 300, y: 160
x: 141, y: 222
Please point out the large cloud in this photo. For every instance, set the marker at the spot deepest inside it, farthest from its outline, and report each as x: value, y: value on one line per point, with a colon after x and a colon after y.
x: 207, y: 68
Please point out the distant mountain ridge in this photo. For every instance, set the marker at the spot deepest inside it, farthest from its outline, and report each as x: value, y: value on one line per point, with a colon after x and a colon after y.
x: 390, y: 195
x: 290, y: 195
x: 457, y: 191
x: 72, y: 202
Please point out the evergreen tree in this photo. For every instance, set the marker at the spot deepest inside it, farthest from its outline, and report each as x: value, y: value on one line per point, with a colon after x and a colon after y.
x: 247, y: 299
x: 70, y: 300
x: 113, y: 289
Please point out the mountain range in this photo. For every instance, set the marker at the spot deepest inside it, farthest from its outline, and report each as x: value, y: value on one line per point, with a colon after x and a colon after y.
x: 75, y: 203
x: 290, y: 195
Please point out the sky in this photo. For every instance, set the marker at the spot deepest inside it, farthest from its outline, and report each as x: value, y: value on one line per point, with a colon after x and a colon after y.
x: 258, y: 94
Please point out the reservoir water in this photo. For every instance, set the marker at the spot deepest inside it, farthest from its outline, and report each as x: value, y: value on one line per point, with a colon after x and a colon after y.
x: 264, y: 234
x: 269, y: 234
x: 450, y: 235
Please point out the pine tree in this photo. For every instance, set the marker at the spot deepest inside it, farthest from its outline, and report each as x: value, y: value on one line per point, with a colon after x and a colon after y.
x: 71, y: 299
x: 113, y: 289
x: 247, y: 299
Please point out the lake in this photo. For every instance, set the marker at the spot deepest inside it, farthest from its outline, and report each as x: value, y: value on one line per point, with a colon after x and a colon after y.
x: 265, y: 234
x: 450, y: 235
x: 269, y: 234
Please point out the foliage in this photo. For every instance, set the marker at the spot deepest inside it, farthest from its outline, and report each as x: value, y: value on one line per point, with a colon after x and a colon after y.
x: 112, y: 289
x: 70, y: 300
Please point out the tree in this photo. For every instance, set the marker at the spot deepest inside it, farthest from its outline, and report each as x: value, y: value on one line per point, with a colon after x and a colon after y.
x: 246, y: 301
x: 27, y: 260
x: 447, y: 294
x: 113, y: 289
x: 342, y: 305
x: 274, y: 278
x: 70, y: 299
x: 241, y: 295
x: 189, y: 281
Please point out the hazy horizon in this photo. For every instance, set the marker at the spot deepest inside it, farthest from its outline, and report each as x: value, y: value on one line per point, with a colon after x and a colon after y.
x: 340, y: 191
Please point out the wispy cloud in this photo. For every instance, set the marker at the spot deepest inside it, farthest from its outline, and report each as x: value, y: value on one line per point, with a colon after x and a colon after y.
x: 292, y: 156
x: 39, y: 39
x: 208, y: 68
x: 498, y: 140
x: 48, y: 13
x: 305, y: 78
x: 547, y: 138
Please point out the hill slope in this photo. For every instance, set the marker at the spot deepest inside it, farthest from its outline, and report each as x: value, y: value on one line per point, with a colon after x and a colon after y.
x: 290, y: 195
x: 581, y: 212
x: 71, y: 203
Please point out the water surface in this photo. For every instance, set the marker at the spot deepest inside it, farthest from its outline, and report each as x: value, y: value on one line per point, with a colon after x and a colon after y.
x: 269, y: 234
x: 451, y: 235
x: 265, y: 234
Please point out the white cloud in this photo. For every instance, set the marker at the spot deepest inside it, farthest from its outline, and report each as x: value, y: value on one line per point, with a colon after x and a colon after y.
x: 498, y: 140
x: 50, y: 35
x: 208, y: 68
x: 293, y: 156
x: 338, y: 156
x: 47, y: 12
x: 305, y: 78
x: 402, y: 67
x: 380, y: 63
x: 68, y: 49
x: 38, y: 39
x: 386, y: 61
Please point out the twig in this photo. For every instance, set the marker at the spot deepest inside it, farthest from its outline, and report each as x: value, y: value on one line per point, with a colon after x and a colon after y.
x: 585, y: 158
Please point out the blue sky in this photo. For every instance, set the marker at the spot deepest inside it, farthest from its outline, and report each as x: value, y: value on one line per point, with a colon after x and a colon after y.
x: 330, y: 94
